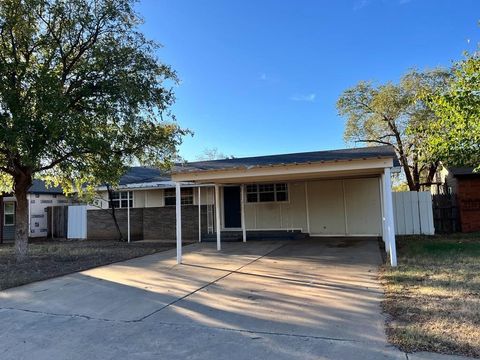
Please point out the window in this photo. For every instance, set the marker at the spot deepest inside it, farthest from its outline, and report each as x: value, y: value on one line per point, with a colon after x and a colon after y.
x: 119, y: 199
x: 186, y: 196
x: 267, y: 192
x: 9, y: 213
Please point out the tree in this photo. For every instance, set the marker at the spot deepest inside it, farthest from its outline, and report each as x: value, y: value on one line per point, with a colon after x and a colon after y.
x: 82, y: 95
x: 455, y: 136
x: 388, y: 114
x: 213, y: 154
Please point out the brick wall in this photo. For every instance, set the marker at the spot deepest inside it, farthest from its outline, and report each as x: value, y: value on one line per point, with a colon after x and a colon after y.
x: 100, y: 224
x: 469, y: 203
x: 157, y: 223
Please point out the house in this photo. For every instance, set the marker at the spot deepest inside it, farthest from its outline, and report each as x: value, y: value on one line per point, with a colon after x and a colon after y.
x: 343, y: 192
x: 464, y: 184
x: 39, y: 197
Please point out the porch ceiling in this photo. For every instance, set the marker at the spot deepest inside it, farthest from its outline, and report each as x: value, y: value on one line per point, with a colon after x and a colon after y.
x: 323, y: 170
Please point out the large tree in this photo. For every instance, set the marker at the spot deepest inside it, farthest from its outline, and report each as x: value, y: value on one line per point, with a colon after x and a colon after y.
x: 455, y: 136
x: 82, y: 95
x: 388, y: 114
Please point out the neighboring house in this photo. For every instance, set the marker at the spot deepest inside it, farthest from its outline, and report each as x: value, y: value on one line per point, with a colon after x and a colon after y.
x: 464, y: 183
x: 39, y: 197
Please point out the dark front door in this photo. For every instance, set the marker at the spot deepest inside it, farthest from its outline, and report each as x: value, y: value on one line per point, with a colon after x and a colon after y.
x: 232, y: 207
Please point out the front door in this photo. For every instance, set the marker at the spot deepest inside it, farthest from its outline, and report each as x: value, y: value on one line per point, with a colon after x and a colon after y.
x: 232, y: 207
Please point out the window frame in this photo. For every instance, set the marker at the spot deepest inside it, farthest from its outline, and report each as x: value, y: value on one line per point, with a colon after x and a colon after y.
x: 263, y: 188
x: 5, y: 213
x: 184, y: 198
x: 122, y: 196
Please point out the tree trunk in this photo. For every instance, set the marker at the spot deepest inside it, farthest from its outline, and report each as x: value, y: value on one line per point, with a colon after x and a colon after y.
x: 22, y: 183
x: 114, y: 216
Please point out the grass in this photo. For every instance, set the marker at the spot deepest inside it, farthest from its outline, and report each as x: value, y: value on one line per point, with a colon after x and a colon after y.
x: 49, y: 259
x: 433, y: 296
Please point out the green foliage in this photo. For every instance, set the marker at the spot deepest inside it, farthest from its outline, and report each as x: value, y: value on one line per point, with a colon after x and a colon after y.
x: 389, y: 113
x: 82, y: 93
x: 455, y: 136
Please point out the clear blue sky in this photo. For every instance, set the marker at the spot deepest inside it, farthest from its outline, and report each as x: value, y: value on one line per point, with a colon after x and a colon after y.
x: 262, y: 76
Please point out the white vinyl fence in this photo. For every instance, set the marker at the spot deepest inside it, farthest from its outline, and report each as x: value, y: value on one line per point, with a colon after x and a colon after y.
x: 77, y: 222
x: 413, y: 213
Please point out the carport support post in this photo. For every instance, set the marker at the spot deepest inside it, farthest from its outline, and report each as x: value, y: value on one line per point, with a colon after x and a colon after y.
x: 384, y: 217
x: 390, y: 225
x: 217, y: 216
x: 178, y: 216
x: 199, y: 216
x: 242, y: 203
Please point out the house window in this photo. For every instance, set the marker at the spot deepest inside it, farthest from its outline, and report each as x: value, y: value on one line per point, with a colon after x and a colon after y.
x: 267, y: 192
x: 120, y: 200
x: 186, y: 196
x: 9, y: 214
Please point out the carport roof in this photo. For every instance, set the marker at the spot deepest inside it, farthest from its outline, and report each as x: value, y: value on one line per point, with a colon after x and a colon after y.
x: 374, y: 152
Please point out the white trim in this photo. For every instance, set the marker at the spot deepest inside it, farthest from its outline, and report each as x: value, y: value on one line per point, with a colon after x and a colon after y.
x: 199, y: 201
x: 390, y: 223
x: 307, y: 211
x: 178, y: 217
x: 218, y: 224
x: 278, y: 172
x: 242, y: 205
x: 128, y: 216
x: 345, y: 207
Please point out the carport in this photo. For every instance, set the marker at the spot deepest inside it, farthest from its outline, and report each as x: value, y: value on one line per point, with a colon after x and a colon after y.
x: 343, y: 192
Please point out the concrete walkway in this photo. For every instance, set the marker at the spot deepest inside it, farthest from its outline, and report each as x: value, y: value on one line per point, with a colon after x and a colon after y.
x: 316, y: 299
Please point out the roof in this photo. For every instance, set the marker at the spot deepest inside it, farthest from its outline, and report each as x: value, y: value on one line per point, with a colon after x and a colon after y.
x: 463, y: 171
x: 144, y: 174
x: 293, y: 158
x: 40, y: 187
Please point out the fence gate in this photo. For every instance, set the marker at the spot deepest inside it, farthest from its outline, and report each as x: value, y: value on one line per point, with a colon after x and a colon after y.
x: 413, y: 213
x: 77, y: 222
x: 57, y: 218
x: 445, y: 213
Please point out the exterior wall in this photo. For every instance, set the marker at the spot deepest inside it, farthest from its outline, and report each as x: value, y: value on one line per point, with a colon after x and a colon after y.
x: 38, y: 220
x: 335, y: 207
x: 38, y: 211
x: 468, y: 196
x: 145, y: 223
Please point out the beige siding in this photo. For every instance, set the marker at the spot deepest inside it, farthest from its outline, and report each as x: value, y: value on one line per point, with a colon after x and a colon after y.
x: 154, y: 198
x: 282, y: 215
x: 362, y: 198
x: 326, y: 207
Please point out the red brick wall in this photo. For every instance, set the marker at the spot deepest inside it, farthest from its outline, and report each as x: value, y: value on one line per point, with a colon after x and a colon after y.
x: 468, y: 196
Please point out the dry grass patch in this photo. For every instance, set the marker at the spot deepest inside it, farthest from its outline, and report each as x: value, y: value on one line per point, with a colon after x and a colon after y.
x: 49, y: 259
x: 433, y: 296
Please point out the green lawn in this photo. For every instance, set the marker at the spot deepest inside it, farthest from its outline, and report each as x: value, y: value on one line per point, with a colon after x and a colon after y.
x: 433, y: 296
x: 49, y: 259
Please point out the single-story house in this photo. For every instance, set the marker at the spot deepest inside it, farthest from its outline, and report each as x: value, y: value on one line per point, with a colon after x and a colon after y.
x: 343, y: 192
x: 39, y: 197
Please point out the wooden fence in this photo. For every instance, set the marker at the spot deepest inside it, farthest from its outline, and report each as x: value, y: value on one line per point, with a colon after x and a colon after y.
x: 446, y: 214
x: 413, y: 213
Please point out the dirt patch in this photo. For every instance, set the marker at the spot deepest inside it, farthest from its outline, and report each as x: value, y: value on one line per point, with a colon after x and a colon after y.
x: 49, y: 259
x: 433, y: 296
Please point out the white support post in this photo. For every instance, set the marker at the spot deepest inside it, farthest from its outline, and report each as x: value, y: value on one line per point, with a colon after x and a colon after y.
x: 199, y: 215
x: 242, y: 202
x: 384, y: 217
x: 390, y: 224
x: 307, y: 213
x: 178, y: 216
x: 217, y: 216
x: 128, y: 216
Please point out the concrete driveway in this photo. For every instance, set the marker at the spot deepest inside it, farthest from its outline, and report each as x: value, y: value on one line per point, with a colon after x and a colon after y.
x: 315, y: 299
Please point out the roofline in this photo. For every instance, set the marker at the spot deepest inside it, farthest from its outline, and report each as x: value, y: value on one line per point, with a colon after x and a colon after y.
x: 191, y: 171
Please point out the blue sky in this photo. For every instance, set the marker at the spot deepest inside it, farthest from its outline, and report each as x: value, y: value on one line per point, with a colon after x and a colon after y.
x: 262, y: 76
